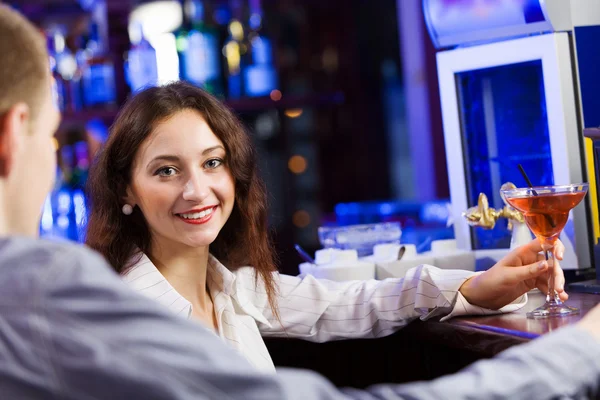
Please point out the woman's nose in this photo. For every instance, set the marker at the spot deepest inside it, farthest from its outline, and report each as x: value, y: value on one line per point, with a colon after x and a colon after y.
x: 195, y: 190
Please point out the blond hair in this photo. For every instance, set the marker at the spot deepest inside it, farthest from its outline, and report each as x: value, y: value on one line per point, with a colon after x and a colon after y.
x: 24, y: 67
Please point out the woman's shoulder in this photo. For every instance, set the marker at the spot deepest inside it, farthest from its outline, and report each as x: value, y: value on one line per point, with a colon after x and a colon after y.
x: 251, y: 274
x: 248, y: 274
x: 252, y: 283
x: 138, y: 266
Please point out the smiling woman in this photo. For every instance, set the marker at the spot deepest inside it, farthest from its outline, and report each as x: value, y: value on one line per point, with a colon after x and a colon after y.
x: 180, y: 179
x: 174, y: 151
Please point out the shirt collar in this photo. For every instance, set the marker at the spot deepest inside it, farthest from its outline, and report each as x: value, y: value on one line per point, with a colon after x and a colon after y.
x: 232, y: 283
x: 220, y: 276
x: 146, y: 278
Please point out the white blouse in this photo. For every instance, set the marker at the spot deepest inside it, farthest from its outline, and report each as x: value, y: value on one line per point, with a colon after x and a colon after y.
x: 313, y: 309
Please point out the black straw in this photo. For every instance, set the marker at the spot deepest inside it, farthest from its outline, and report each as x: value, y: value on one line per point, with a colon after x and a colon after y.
x: 527, y: 179
x: 548, y: 218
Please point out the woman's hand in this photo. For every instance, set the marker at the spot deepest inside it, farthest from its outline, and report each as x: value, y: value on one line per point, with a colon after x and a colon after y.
x: 520, y: 271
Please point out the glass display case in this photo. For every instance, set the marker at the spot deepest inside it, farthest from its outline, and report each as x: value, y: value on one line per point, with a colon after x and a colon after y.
x: 497, y: 138
x: 504, y: 104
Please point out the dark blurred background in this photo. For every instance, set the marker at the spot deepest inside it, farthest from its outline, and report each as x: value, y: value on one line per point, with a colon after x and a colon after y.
x: 341, y: 98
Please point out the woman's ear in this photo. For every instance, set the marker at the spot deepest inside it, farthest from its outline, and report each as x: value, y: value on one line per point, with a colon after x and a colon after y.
x: 129, y: 197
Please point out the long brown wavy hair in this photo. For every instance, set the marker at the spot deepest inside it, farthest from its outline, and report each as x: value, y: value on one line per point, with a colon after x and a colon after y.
x: 244, y: 239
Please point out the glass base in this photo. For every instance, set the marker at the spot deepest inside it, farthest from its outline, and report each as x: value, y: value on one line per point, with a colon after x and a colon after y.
x: 550, y: 310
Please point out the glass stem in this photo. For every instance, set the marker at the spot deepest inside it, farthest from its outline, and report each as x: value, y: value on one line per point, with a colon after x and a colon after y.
x: 552, y: 296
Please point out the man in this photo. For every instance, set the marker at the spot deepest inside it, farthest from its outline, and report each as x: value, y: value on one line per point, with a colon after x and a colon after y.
x: 69, y: 328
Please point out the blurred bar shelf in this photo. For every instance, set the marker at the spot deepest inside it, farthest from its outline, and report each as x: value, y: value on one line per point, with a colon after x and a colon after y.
x: 287, y: 102
x: 107, y: 115
x: 250, y: 104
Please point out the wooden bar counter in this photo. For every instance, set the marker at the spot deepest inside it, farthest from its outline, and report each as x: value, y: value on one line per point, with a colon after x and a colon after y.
x: 423, y: 350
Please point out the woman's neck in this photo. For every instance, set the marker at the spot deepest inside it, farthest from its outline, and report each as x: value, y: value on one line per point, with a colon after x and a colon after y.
x: 186, y: 270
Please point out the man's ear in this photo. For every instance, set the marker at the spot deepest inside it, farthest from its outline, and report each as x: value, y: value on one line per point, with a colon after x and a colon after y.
x: 13, y: 124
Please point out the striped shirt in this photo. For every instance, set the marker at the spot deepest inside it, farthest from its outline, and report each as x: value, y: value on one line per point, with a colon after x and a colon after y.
x: 313, y: 309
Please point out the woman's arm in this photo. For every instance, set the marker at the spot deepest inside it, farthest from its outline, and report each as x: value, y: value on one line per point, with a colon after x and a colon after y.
x: 321, y: 310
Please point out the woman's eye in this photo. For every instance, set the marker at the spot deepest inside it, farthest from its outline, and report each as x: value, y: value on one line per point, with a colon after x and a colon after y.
x: 213, y: 163
x: 166, y: 171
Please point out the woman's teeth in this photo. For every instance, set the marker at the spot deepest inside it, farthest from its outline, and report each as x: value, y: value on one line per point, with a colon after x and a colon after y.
x: 198, y: 215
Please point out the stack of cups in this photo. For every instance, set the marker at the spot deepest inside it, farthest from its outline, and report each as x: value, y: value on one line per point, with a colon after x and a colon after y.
x: 338, y: 265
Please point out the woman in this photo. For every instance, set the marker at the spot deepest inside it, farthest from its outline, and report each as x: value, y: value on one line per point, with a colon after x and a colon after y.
x: 178, y: 209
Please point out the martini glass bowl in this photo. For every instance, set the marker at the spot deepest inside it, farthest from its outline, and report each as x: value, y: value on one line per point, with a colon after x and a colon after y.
x: 546, y: 211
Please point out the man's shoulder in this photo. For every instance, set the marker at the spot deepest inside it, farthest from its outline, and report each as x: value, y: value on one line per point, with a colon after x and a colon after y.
x: 30, y: 267
x: 22, y: 249
x: 22, y: 256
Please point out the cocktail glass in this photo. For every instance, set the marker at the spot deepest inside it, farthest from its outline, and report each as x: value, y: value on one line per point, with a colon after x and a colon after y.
x: 546, y: 211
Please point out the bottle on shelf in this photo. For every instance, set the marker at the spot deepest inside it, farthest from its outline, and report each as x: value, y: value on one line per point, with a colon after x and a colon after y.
x: 201, y: 60
x: 181, y: 39
x: 141, y: 69
x: 78, y: 217
x: 58, y: 85
x: 260, y: 76
x: 98, y: 74
x: 66, y: 71
x: 65, y: 214
x: 61, y: 199
x: 233, y: 50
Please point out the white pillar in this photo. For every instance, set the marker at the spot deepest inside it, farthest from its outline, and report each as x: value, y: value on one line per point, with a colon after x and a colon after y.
x: 412, y: 32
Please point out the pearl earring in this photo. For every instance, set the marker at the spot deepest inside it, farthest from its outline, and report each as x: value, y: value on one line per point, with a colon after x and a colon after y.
x: 127, y: 209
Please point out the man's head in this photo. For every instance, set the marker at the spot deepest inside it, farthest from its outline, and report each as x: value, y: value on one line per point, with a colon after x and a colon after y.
x: 28, y: 120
